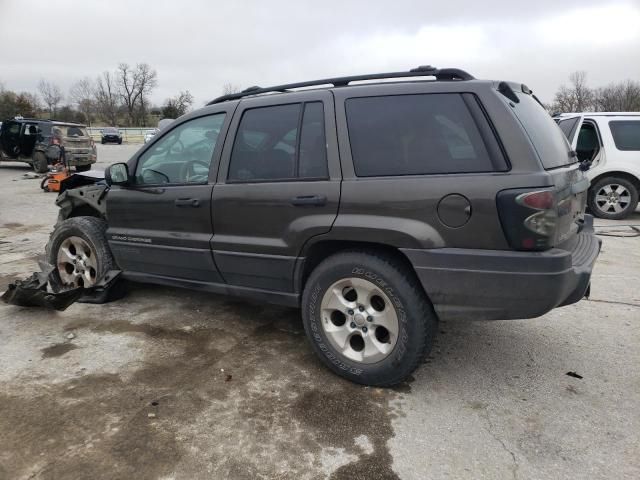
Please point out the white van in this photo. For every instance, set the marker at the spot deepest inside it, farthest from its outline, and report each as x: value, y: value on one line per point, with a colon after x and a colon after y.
x: 611, y: 142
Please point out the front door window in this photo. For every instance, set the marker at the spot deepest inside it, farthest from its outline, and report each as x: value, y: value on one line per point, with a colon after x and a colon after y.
x: 183, y: 155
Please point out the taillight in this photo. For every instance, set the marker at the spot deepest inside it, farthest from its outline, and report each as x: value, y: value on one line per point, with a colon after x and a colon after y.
x: 529, y: 217
x: 539, y: 200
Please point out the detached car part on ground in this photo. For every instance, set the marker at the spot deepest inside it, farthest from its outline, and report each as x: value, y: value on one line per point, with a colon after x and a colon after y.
x: 378, y: 209
x: 29, y: 140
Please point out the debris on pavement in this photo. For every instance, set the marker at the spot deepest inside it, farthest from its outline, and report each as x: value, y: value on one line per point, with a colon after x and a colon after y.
x: 36, y: 291
x: 574, y: 375
x: 71, y: 336
x: 31, y: 176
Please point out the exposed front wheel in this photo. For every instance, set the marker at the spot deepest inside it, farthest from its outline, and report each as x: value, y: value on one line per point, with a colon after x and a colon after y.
x: 79, y: 252
x: 367, y: 317
x: 613, y: 198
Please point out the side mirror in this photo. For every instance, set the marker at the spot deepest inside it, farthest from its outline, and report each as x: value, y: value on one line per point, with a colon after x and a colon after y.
x: 117, y: 174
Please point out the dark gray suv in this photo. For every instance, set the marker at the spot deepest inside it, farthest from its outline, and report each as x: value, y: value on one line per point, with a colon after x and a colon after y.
x: 377, y: 208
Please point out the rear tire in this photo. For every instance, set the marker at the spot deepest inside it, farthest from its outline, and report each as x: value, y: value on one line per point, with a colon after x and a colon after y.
x: 613, y: 198
x: 65, y: 246
x: 39, y: 163
x: 367, y: 317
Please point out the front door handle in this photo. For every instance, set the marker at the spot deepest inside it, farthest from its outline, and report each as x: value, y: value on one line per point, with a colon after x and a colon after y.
x: 309, y: 201
x: 187, y: 202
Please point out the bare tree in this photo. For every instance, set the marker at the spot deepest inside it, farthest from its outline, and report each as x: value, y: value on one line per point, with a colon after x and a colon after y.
x: 83, y: 93
x: 618, y: 97
x: 177, y: 106
x: 136, y: 84
x: 576, y: 98
x: 583, y: 94
x: 229, y: 88
x: 107, y: 98
x: 51, y: 94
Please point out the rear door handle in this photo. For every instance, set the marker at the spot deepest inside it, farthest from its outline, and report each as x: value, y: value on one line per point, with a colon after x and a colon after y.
x: 187, y: 202
x: 309, y: 201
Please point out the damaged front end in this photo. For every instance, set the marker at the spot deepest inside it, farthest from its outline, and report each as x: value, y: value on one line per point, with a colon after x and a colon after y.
x: 36, y: 291
x: 83, y: 193
x: 80, y: 194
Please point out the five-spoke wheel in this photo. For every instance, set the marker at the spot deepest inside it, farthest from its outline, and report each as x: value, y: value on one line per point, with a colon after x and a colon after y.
x: 359, y: 320
x: 77, y: 264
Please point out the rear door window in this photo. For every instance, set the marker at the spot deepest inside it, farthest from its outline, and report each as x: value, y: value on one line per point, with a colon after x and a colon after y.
x: 626, y: 134
x: 277, y: 143
x: 415, y: 135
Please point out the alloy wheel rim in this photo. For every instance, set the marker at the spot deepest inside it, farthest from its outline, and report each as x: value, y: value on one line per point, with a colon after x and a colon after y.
x: 359, y: 320
x: 613, y: 198
x: 77, y: 263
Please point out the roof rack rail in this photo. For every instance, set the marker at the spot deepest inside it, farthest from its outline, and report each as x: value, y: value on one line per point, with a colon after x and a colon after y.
x: 422, y: 71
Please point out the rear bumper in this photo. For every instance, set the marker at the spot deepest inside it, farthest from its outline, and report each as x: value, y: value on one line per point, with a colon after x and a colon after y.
x: 504, y: 285
x: 74, y: 159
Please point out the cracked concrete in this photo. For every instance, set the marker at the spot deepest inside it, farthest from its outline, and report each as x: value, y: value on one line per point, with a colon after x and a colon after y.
x: 169, y: 383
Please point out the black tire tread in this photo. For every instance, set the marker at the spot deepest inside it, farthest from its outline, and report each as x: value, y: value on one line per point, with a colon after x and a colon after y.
x: 94, y: 229
x: 39, y: 163
x: 388, y: 263
x: 613, y: 179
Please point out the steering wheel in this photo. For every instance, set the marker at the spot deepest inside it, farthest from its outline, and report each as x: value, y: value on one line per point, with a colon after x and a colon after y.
x: 188, y: 174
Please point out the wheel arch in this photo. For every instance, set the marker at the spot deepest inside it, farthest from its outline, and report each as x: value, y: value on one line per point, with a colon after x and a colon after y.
x: 617, y: 173
x: 316, y: 252
x: 87, y: 201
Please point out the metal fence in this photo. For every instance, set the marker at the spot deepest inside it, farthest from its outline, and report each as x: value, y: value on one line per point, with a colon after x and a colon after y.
x: 129, y: 135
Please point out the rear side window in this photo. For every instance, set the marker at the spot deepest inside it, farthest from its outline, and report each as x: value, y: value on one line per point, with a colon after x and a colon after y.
x: 415, y: 135
x: 282, y: 142
x: 626, y: 134
x: 547, y: 138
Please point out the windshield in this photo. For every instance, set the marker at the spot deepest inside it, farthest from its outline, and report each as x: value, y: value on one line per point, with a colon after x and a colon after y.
x: 110, y: 130
x: 548, y: 140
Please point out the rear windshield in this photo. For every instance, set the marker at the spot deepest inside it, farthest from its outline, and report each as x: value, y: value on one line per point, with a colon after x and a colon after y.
x: 69, y: 131
x: 548, y: 140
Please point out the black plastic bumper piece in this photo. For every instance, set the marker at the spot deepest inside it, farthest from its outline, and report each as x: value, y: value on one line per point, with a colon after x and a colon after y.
x: 502, y: 284
x: 34, y: 292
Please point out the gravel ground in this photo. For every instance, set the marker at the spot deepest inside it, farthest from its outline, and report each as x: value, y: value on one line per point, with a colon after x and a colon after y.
x: 173, y: 384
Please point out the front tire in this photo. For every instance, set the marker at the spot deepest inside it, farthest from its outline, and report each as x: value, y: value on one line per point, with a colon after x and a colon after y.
x: 79, y: 252
x: 367, y: 317
x: 613, y: 198
x: 40, y: 164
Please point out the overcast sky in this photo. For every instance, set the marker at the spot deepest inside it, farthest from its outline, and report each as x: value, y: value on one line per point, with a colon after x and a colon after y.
x: 201, y: 45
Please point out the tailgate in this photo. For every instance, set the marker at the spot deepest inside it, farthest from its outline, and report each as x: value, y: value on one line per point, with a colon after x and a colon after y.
x: 560, y: 162
x: 571, y: 186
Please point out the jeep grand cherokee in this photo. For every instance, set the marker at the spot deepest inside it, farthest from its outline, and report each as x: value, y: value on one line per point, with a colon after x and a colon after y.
x: 377, y: 208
